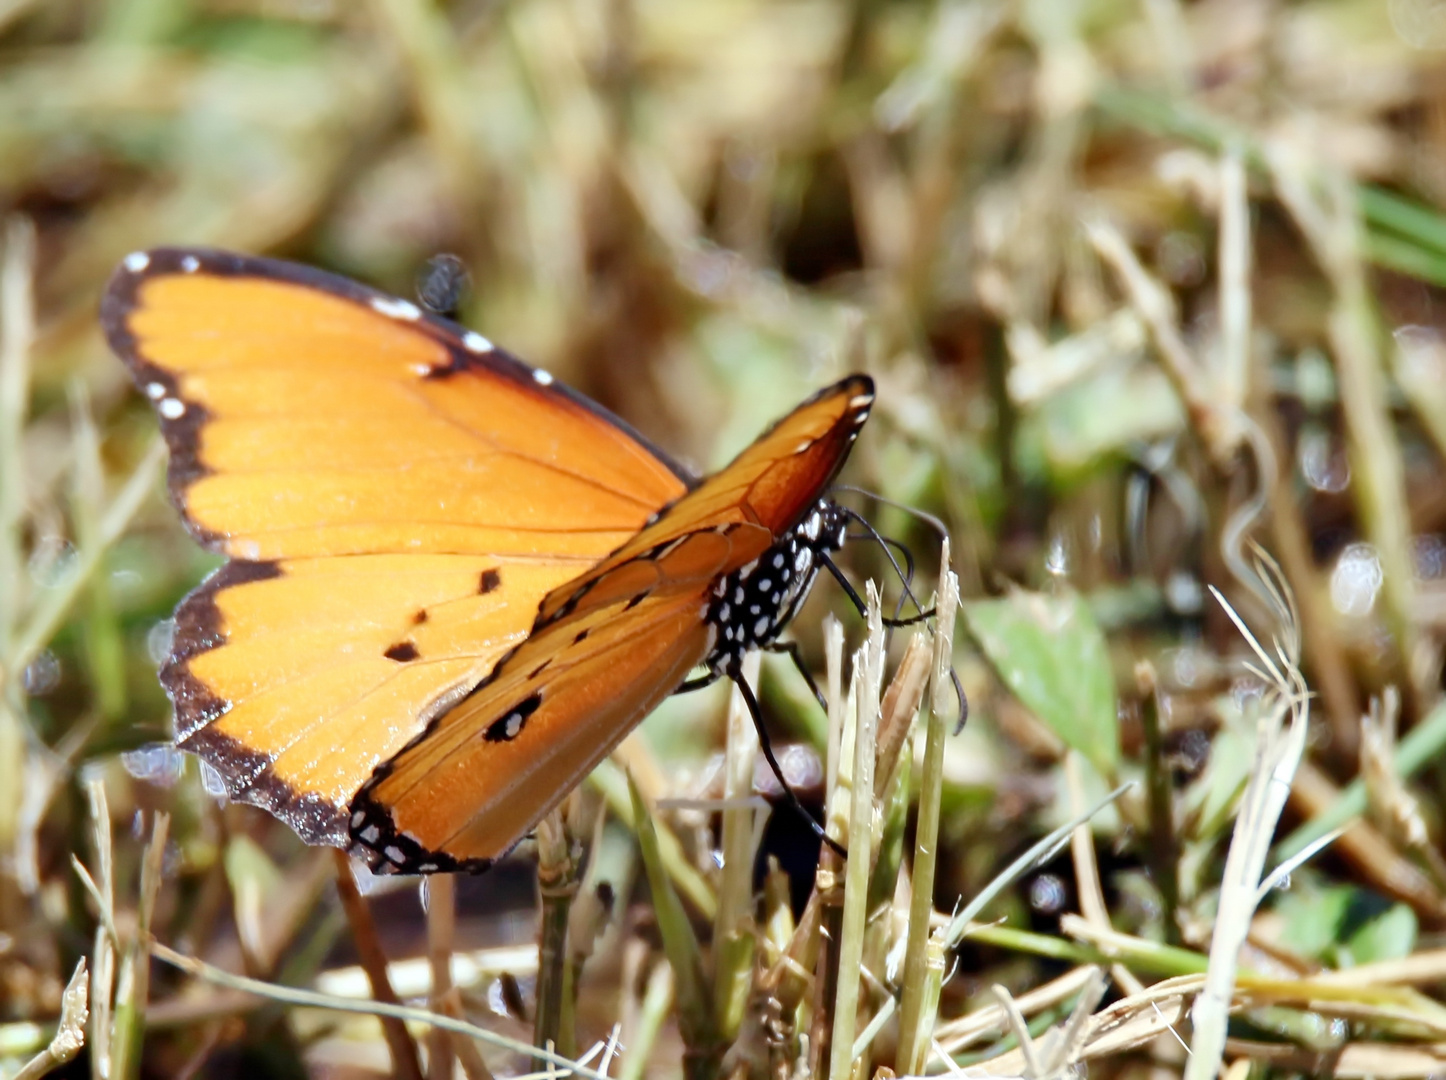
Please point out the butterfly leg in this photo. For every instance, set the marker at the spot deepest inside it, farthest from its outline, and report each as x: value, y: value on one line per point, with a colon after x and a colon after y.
x: 858, y: 601
x: 735, y: 673
x: 790, y: 649
x: 892, y: 623
x: 701, y: 682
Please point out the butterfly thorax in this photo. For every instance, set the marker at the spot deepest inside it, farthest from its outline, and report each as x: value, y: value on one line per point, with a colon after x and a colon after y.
x: 751, y: 606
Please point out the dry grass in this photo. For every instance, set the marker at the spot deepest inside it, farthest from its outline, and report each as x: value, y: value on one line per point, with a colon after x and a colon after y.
x: 1143, y: 286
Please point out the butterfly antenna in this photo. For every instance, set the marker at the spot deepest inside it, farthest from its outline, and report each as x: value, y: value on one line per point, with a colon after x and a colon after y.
x: 735, y: 673
x: 935, y: 524
x: 884, y: 542
x: 908, y: 556
x: 905, y: 577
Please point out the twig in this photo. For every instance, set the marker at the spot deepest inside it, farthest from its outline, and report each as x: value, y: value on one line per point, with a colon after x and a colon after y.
x: 556, y: 886
x: 311, y: 999
x: 369, y: 948
x: 732, y: 928
x: 133, y: 984
x: 441, y: 927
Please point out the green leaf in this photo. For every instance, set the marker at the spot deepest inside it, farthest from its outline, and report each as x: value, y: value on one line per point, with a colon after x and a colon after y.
x: 1311, y: 918
x: 680, y: 943
x: 1345, y: 925
x: 1389, y: 936
x: 1051, y: 653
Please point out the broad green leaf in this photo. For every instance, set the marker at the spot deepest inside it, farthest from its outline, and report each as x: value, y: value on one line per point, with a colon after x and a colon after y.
x: 1051, y: 653
x: 1345, y: 925
x: 1391, y: 935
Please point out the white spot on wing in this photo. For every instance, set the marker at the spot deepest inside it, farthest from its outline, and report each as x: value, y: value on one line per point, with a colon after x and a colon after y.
x: 861, y: 400
x: 155, y: 391
x: 371, y: 834
x: 395, y: 854
x: 421, y: 369
x: 172, y: 408
x: 137, y: 261
x: 476, y: 343
x: 190, y: 264
x: 393, y: 308
x: 541, y: 377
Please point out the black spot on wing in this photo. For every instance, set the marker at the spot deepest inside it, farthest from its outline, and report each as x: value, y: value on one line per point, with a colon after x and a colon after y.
x: 490, y: 580
x: 511, y: 725
x: 420, y: 617
x: 402, y: 652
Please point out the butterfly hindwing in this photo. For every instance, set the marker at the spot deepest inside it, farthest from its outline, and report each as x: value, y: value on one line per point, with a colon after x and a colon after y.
x: 396, y: 494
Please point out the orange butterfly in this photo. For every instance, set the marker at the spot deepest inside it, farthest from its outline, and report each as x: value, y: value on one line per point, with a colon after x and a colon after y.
x: 454, y: 584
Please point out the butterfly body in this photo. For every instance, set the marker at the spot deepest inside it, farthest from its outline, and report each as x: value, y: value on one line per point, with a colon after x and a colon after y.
x: 751, y: 607
x: 454, y: 584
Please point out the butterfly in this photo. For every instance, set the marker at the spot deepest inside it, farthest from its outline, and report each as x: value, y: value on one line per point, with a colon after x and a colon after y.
x: 454, y: 584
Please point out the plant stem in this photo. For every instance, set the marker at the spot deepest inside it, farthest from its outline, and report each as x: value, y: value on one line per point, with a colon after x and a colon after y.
x: 916, y: 1018
x: 556, y: 885
x: 405, y: 1063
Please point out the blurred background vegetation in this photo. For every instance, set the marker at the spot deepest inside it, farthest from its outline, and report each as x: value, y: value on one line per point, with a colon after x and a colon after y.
x: 1139, y: 280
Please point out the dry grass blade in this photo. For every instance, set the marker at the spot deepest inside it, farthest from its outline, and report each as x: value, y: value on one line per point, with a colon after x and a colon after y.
x: 70, y: 1032
x: 1278, y: 752
x: 17, y: 330
x: 922, y: 967
x: 860, y: 748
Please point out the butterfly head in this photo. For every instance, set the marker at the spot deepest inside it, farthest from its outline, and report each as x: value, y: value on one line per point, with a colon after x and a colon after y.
x: 751, y: 606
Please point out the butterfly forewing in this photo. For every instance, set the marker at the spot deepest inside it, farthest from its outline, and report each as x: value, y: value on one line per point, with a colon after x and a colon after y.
x: 605, y: 650
x: 397, y: 496
x: 772, y: 483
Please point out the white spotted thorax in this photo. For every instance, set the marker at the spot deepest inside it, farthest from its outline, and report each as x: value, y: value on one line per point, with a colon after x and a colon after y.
x: 750, y: 607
